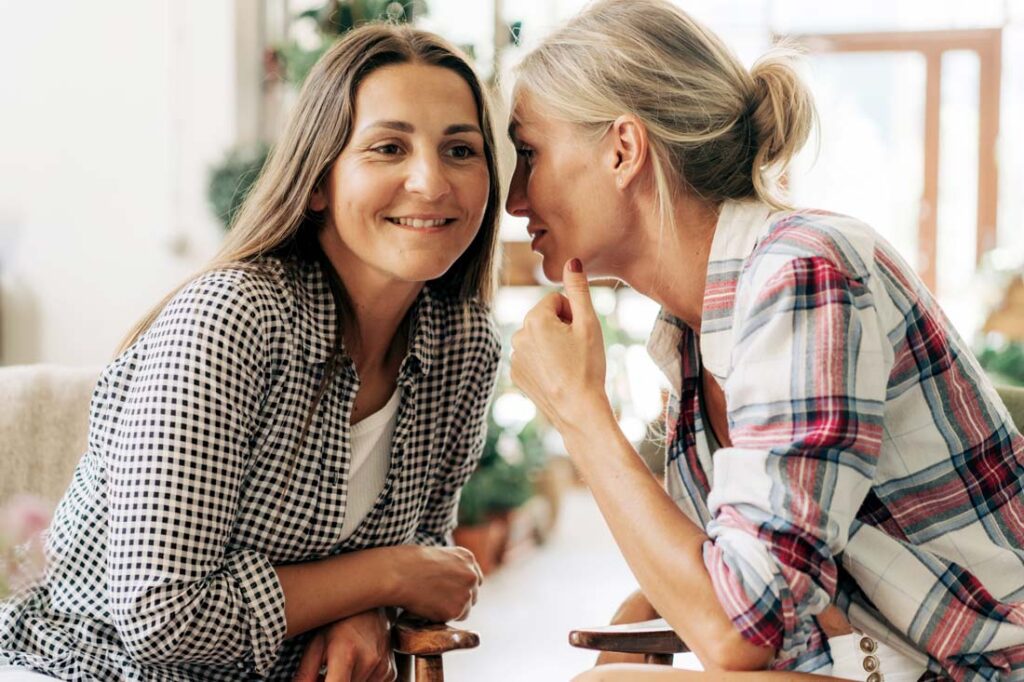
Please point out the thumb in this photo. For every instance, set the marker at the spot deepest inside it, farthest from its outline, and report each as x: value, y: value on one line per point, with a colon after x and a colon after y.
x: 577, y: 289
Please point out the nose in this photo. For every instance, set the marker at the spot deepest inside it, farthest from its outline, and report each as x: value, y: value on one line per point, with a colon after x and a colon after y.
x: 517, y: 204
x: 427, y: 178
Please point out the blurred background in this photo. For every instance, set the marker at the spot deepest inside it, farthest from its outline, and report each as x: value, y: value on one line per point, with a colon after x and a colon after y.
x: 129, y: 132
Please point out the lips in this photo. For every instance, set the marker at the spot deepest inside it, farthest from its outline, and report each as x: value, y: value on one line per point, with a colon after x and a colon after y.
x: 420, y: 223
x: 537, y: 236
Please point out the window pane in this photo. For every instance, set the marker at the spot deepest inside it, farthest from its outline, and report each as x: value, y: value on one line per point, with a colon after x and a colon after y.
x: 867, y: 158
x: 958, y: 184
x: 813, y: 16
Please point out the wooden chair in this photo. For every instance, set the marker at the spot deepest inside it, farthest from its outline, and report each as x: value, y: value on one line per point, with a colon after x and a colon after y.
x: 419, y: 645
x: 657, y: 641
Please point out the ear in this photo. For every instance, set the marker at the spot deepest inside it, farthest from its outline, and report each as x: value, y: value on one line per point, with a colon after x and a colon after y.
x: 630, y: 146
x: 318, y: 199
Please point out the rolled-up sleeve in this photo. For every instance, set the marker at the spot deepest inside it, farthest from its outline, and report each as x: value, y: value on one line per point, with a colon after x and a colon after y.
x: 441, y: 511
x: 178, y: 592
x: 805, y: 397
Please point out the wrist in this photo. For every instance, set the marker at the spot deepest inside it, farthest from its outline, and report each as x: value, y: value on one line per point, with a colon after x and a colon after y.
x: 397, y: 573
x: 589, y: 418
x: 583, y: 414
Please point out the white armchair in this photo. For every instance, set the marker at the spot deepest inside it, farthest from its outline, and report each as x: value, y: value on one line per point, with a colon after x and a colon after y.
x: 44, y: 424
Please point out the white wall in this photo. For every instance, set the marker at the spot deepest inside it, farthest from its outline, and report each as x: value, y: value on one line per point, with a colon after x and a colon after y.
x: 110, y: 114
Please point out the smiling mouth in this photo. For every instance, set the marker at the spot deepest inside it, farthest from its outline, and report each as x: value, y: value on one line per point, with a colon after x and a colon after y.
x: 421, y: 223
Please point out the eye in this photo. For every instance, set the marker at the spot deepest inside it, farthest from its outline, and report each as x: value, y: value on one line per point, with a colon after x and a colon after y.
x: 388, y: 149
x: 526, y: 153
x: 461, y: 151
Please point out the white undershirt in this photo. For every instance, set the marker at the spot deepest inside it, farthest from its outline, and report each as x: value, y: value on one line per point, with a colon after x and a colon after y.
x: 371, y: 459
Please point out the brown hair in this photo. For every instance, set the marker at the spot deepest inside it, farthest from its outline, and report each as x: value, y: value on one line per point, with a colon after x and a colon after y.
x: 275, y: 220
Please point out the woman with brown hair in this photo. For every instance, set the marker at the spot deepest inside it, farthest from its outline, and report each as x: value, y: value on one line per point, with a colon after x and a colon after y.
x: 845, y: 491
x: 275, y: 456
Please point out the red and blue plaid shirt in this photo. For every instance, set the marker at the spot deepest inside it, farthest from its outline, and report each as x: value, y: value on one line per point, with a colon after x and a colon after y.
x: 872, y: 463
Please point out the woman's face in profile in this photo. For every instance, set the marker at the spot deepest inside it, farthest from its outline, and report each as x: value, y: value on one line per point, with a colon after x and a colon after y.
x: 564, y: 185
x: 405, y: 197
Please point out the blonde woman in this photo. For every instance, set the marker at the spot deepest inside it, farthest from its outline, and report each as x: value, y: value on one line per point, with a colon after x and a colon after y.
x: 844, y: 488
x: 276, y: 454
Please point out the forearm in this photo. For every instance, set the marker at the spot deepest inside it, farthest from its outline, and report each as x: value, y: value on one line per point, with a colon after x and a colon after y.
x: 321, y: 592
x: 662, y: 546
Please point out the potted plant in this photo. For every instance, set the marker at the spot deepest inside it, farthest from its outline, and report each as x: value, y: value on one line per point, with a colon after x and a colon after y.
x: 501, y: 483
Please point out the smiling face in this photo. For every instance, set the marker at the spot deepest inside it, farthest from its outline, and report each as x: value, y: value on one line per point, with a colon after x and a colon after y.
x: 565, y: 184
x: 406, y: 196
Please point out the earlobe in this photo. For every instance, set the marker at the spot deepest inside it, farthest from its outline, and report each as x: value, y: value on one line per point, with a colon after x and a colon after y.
x: 317, y: 201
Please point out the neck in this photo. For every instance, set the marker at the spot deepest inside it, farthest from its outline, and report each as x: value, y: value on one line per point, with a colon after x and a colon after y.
x: 380, y: 304
x: 680, y: 259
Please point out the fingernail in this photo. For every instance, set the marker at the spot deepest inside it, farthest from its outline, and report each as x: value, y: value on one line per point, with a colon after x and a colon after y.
x: 576, y: 265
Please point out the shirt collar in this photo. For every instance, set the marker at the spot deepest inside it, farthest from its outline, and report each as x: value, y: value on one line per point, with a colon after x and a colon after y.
x: 741, y: 225
x: 316, y: 318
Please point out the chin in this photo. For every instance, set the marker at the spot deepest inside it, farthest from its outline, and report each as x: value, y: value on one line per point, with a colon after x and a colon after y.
x: 424, y: 272
x: 552, y: 270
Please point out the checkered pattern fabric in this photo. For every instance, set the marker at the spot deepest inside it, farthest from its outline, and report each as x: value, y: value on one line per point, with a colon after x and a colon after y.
x: 872, y: 463
x: 196, y: 482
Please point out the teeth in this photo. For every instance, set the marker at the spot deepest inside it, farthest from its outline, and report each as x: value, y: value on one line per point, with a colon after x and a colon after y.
x: 416, y: 222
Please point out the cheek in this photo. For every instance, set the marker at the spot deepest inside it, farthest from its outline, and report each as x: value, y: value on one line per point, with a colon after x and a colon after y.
x: 473, y: 192
x: 365, y: 192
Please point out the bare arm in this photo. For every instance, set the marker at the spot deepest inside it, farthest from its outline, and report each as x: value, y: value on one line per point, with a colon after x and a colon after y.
x: 558, y: 360
x: 640, y: 516
x: 320, y: 592
x: 437, y: 583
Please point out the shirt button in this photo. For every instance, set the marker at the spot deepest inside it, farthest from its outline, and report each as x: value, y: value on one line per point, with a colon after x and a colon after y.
x: 868, y: 645
x: 874, y: 677
x: 870, y: 664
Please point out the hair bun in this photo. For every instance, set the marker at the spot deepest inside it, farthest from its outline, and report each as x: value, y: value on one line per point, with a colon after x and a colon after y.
x: 782, y: 108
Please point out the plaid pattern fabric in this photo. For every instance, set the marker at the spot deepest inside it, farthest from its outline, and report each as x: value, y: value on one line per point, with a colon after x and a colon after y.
x: 196, y: 482
x: 872, y: 463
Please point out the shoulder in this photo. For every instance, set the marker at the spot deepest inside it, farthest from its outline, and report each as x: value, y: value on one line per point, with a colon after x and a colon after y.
x: 472, y: 324
x: 468, y: 328
x: 834, y: 241
x: 238, y: 302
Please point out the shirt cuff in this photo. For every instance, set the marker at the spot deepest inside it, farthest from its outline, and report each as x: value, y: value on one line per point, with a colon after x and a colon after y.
x: 264, y: 599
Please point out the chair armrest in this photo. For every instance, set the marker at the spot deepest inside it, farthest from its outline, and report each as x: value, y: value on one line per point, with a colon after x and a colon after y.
x: 647, y: 637
x: 420, y: 638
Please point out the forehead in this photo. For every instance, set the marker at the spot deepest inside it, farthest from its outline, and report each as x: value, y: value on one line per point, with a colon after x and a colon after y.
x: 415, y: 92
x: 522, y: 114
x: 531, y: 118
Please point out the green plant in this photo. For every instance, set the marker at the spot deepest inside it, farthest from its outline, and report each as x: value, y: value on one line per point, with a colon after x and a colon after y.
x: 231, y: 180
x: 332, y: 20
x: 502, y: 480
x: 1004, y: 362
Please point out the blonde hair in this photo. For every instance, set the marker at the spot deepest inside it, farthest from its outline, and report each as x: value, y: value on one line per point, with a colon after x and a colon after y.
x: 714, y: 127
x: 275, y: 219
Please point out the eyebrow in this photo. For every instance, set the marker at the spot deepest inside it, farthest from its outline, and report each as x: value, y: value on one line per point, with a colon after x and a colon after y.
x: 405, y: 127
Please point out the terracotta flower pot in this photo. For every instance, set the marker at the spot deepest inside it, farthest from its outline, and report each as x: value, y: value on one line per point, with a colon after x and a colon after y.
x: 480, y: 540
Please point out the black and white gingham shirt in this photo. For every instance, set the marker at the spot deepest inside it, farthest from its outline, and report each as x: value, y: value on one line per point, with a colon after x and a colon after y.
x: 194, y: 485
